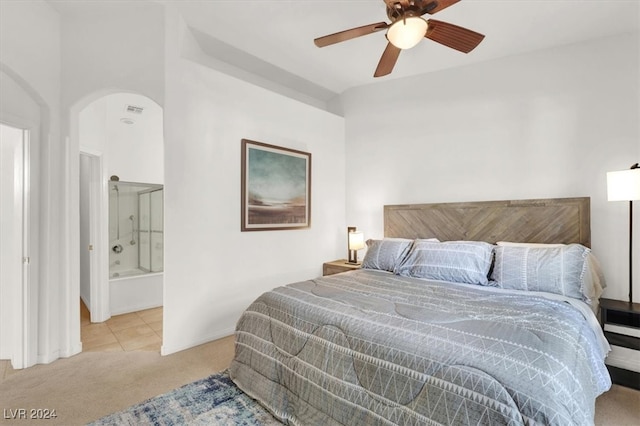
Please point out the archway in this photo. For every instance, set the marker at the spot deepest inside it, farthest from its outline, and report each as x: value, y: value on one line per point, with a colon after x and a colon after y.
x: 112, y: 133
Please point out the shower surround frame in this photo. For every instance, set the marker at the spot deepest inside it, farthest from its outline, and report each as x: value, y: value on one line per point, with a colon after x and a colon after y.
x: 136, y: 240
x: 125, y: 232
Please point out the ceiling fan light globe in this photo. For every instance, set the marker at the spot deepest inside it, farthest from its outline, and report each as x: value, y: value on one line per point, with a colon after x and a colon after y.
x: 406, y: 33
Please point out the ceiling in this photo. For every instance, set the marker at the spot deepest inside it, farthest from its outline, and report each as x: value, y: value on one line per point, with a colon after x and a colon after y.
x: 282, y: 32
x: 275, y: 38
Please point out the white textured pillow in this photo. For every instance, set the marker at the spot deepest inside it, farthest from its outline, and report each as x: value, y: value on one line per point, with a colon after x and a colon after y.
x: 556, y: 269
x: 386, y: 254
x: 456, y: 261
x: 593, y: 282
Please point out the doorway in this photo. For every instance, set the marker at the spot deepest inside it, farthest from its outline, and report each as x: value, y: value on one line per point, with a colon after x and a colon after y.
x: 14, y: 258
x: 119, y: 136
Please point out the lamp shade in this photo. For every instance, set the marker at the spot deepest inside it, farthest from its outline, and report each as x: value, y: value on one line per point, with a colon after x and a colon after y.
x: 623, y: 185
x: 356, y: 240
x: 406, y: 33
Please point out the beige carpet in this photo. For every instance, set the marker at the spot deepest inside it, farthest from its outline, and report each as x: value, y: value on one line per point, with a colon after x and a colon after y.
x: 93, y: 384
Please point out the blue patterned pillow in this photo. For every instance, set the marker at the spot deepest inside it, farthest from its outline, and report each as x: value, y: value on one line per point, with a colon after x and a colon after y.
x: 457, y: 261
x: 557, y: 270
x: 386, y: 254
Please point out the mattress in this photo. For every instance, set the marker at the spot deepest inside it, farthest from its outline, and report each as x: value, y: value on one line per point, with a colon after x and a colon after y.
x: 370, y: 347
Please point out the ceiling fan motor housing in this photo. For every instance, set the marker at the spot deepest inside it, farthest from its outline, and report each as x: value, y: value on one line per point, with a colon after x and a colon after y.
x: 403, y: 9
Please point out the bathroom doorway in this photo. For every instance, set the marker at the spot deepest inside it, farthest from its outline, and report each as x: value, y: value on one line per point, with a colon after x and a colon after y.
x: 120, y: 136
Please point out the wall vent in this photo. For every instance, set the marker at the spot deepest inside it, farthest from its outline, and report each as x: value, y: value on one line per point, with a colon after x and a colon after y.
x: 134, y: 109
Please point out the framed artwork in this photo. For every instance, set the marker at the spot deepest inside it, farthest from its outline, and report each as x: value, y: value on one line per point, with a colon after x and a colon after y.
x: 276, y: 187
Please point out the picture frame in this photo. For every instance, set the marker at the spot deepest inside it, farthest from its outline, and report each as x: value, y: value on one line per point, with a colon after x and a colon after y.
x: 276, y: 187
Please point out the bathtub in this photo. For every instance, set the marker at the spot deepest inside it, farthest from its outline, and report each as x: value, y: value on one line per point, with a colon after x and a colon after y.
x: 134, y: 290
x: 127, y: 273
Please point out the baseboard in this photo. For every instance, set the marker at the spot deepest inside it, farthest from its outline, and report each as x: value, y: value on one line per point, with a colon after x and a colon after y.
x: 48, y: 358
x: 75, y: 350
x: 168, y: 350
x: 55, y: 355
x: 86, y: 302
x: 136, y: 308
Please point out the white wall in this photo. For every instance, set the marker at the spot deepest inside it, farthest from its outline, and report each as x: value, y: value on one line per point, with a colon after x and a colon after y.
x: 92, y: 127
x: 133, y: 152
x: 543, y: 125
x: 212, y: 270
x: 116, y: 46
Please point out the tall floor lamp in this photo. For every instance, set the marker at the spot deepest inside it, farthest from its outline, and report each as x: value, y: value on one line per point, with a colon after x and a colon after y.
x: 624, y: 185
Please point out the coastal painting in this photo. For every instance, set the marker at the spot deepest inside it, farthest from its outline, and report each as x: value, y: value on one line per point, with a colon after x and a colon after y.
x: 276, y: 187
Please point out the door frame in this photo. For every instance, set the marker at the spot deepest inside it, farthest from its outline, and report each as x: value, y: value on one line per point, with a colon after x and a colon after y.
x: 98, y: 236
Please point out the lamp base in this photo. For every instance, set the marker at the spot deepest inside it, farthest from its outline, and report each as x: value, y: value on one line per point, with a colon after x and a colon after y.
x: 353, y: 257
x: 353, y: 263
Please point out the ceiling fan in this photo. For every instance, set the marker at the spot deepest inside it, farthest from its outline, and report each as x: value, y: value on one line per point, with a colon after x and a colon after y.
x: 406, y: 30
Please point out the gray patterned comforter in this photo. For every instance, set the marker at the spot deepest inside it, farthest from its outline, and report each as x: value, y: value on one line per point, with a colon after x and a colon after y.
x: 372, y: 348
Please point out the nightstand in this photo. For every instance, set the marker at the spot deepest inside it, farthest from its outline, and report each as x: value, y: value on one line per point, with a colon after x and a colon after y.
x: 621, y: 324
x: 337, y: 266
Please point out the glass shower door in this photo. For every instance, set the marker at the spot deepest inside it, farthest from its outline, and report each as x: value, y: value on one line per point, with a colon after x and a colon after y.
x: 144, y: 229
x: 151, y: 231
x: 156, y: 252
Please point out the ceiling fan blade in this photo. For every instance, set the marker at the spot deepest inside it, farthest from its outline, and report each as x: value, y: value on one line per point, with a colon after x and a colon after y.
x: 349, y: 34
x: 453, y: 36
x: 437, y: 5
x: 387, y: 61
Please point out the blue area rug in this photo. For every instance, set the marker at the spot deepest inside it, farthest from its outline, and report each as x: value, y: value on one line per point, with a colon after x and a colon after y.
x: 215, y: 400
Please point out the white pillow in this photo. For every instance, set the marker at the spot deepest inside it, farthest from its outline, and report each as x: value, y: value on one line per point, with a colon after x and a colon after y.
x: 386, y: 254
x: 456, y: 261
x: 558, y: 269
x: 593, y: 282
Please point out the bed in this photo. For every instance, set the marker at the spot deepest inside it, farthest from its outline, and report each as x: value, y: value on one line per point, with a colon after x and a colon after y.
x: 442, y: 325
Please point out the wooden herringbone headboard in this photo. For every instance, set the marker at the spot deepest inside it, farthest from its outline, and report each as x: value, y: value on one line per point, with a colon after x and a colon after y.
x: 556, y: 220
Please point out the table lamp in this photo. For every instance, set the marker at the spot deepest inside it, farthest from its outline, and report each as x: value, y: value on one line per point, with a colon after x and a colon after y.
x: 355, y: 242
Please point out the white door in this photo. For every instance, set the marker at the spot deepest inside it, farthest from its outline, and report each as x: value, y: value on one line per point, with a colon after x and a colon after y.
x: 85, y: 230
x: 94, y: 284
x: 14, y: 258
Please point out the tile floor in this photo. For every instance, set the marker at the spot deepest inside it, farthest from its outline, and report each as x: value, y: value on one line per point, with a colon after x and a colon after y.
x: 136, y: 331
